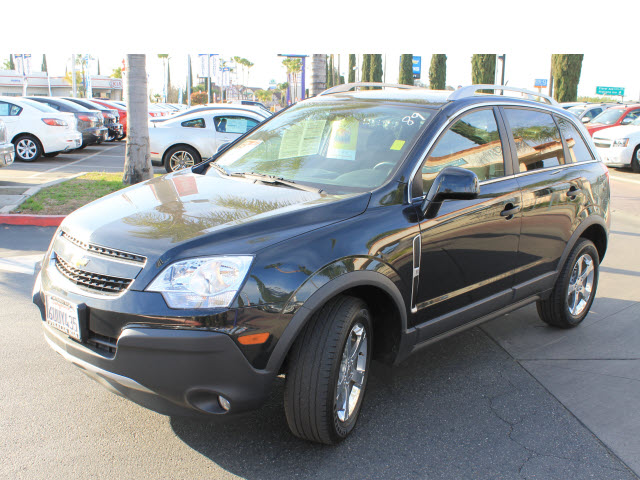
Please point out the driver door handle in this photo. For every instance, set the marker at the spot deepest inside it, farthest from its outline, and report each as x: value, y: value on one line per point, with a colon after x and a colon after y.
x: 510, y: 210
x: 573, y: 192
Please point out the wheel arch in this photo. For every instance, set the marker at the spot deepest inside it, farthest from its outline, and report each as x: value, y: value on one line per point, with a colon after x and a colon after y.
x: 30, y: 134
x: 383, y: 298
x: 593, y: 228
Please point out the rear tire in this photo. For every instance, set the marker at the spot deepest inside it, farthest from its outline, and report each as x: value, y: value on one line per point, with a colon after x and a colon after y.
x: 575, y: 288
x: 180, y: 157
x: 328, y: 371
x: 28, y: 148
x: 635, y: 160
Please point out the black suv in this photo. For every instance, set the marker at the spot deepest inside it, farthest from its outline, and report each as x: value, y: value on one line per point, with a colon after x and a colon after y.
x: 352, y: 226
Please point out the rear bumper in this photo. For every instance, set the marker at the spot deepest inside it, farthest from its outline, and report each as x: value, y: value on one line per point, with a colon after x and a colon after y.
x: 93, y: 135
x: 171, y: 371
x: 7, y: 154
x: 69, y: 140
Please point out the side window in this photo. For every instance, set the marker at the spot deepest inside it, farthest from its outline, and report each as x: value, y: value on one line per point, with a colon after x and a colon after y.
x: 537, y: 139
x: 632, y: 115
x: 4, y: 109
x: 229, y: 124
x: 593, y: 113
x: 473, y: 142
x: 53, y: 105
x: 14, y: 110
x: 195, y: 123
x: 578, y: 151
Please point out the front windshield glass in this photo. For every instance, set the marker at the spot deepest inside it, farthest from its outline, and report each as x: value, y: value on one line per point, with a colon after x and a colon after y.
x: 608, y: 117
x: 339, y: 147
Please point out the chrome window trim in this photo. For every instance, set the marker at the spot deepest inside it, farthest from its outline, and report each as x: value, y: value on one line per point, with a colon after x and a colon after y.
x: 497, y: 103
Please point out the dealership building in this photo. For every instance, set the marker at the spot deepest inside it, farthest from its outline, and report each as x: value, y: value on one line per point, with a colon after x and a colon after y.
x: 39, y: 83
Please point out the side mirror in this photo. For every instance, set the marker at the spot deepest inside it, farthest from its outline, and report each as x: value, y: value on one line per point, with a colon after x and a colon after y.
x: 452, y: 183
x: 585, y: 119
x: 626, y: 121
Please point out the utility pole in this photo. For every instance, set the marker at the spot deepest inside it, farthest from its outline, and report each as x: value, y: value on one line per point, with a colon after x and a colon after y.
x: 208, y: 78
x: 189, y: 80
x: 503, y: 59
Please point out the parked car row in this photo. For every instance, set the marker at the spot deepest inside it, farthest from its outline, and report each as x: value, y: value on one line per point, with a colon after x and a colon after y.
x: 7, y: 150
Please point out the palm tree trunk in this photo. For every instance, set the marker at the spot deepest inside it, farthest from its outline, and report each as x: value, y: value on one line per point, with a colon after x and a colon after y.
x: 137, y: 162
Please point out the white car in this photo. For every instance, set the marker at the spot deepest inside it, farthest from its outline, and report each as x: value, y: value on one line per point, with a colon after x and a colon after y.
x: 588, y: 111
x: 36, y: 129
x: 6, y: 147
x: 620, y: 146
x: 185, y: 140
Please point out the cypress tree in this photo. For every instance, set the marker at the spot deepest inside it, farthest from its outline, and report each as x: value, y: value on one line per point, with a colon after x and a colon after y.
x: 566, y: 69
x: 329, y: 71
x: 43, y: 68
x: 352, y: 64
x: 406, y: 69
x: 483, y: 69
x: 366, y: 64
x: 438, y: 72
x: 375, y: 68
x: 12, y: 66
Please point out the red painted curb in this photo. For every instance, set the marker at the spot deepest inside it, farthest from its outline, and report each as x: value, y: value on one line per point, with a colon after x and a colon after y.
x: 35, y: 220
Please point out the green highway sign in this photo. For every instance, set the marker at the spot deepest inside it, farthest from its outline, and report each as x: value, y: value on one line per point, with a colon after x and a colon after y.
x: 610, y: 91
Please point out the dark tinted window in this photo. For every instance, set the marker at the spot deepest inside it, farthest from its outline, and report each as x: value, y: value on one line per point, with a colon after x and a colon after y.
x: 195, y: 123
x: 473, y: 142
x: 593, y: 112
x: 229, y: 124
x: 633, y: 114
x: 537, y: 139
x: 578, y: 151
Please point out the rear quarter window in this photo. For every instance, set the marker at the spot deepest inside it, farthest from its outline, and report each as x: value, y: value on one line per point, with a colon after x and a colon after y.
x: 578, y: 150
x: 194, y: 123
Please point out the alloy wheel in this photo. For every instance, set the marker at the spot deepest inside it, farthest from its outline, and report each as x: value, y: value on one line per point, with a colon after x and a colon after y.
x: 180, y: 160
x: 580, y: 285
x: 26, y: 148
x: 352, y: 372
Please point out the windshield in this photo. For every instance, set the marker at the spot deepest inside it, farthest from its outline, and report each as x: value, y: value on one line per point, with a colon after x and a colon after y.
x: 340, y: 147
x: 577, y: 111
x: 609, y: 117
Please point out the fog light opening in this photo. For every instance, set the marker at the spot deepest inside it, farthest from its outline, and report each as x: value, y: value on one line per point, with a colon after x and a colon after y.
x: 224, y: 403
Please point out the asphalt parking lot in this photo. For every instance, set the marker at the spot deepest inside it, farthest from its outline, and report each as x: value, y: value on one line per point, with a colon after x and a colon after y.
x: 512, y: 399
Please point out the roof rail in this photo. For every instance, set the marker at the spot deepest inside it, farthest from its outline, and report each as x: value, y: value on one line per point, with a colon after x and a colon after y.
x: 345, y: 87
x: 471, y: 91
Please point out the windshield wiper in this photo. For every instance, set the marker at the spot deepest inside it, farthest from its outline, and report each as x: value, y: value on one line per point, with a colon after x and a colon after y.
x: 219, y: 168
x: 276, y: 180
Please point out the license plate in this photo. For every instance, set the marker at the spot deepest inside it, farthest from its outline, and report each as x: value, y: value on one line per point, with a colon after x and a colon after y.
x: 63, y: 316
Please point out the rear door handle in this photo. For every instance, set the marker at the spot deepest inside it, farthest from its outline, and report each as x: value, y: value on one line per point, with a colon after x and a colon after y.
x: 573, y: 192
x: 510, y: 210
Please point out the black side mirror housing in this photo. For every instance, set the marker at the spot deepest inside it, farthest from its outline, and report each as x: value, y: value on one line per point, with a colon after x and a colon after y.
x: 452, y: 183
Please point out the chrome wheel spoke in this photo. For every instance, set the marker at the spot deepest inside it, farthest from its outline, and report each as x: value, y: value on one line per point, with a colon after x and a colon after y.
x: 352, y: 373
x: 580, y: 286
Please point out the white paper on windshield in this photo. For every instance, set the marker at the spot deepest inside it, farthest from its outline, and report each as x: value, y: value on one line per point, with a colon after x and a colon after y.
x: 236, y: 125
x: 302, y: 140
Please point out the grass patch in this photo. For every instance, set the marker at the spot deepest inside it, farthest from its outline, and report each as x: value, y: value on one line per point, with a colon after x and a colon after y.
x: 65, y: 197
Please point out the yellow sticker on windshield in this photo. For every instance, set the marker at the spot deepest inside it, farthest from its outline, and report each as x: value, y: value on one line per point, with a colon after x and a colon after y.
x: 397, y: 145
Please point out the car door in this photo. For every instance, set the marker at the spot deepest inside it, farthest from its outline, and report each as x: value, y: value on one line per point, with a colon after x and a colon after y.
x: 9, y: 113
x: 552, y: 193
x: 230, y: 127
x: 468, y: 249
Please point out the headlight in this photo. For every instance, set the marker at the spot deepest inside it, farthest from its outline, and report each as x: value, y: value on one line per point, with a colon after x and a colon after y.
x: 620, y: 142
x: 205, y: 282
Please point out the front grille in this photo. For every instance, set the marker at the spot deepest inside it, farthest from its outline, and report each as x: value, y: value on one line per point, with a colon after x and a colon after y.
x: 109, y: 252
x: 92, y: 281
x: 102, y: 343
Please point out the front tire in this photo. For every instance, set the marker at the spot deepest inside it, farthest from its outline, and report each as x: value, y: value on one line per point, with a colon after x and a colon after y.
x: 28, y: 148
x: 179, y: 157
x: 575, y: 288
x: 328, y: 372
x: 635, y: 160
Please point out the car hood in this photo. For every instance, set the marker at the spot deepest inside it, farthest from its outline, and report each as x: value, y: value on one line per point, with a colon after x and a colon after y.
x: 185, y: 214
x: 620, y: 131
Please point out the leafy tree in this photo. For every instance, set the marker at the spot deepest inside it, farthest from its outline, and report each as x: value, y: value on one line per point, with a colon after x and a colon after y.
x: 375, y: 68
x: 265, y: 96
x: 80, y: 87
x: 352, y: 65
x: 406, y: 69
x: 566, y: 69
x: 483, y: 69
x: 43, y: 68
x: 438, y: 72
x: 198, y: 98
x: 329, y: 71
x: 8, y: 64
x: 117, y: 73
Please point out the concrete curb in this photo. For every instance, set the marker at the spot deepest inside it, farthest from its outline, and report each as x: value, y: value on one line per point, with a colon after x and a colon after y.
x: 37, y: 220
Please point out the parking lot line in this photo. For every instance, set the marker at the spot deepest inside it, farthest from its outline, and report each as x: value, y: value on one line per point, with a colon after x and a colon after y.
x: 623, y: 179
x: 73, y: 163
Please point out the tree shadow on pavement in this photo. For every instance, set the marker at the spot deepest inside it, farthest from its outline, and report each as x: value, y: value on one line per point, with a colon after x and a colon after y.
x: 462, y: 408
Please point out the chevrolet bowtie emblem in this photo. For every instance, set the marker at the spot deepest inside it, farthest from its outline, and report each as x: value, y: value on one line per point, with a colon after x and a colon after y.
x: 80, y: 262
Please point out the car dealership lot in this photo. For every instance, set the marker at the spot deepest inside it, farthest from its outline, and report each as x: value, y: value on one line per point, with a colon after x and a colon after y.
x: 467, y: 407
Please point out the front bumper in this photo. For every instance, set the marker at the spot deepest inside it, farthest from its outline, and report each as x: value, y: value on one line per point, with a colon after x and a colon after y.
x: 616, y: 156
x: 171, y: 371
x: 7, y: 154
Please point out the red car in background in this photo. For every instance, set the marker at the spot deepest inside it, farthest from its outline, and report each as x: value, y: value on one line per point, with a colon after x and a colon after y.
x: 612, y: 117
x: 122, y: 111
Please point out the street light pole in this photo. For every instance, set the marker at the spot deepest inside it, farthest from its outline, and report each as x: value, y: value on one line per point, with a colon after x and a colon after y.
x: 503, y: 59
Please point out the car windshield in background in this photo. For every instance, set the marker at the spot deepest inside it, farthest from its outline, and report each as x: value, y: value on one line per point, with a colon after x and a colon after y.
x: 339, y: 148
x: 39, y: 106
x: 608, y: 117
x: 577, y: 111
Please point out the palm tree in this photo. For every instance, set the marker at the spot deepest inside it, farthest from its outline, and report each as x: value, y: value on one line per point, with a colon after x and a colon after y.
x: 137, y: 162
